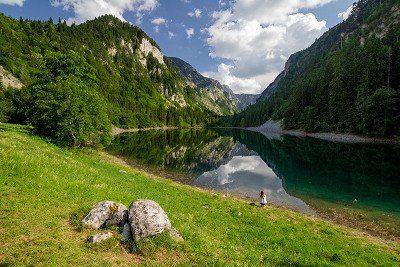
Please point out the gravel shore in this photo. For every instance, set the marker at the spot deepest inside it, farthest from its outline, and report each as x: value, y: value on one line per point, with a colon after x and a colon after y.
x: 271, y: 127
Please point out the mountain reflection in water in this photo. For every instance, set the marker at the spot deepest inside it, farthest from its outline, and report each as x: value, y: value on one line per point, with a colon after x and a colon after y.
x: 293, y: 170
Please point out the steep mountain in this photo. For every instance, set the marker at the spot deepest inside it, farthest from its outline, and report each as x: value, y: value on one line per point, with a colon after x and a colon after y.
x: 347, y: 81
x: 242, y: 101
x: 129, y: 70
x: 218, y: 100
x: 213, y: 87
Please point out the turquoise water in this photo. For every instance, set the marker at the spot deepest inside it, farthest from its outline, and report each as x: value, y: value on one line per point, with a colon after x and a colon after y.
x: 291, y: 170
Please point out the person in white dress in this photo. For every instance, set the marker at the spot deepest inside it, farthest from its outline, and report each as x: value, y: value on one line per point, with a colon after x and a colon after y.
x: 263, y: 199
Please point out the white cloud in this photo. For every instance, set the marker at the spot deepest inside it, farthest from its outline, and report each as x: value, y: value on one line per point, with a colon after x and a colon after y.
x: 225, y: 76
x: 196, y: 13
x: 158, y: 21
x: 345, y: 15
x: 13, y: 2
x: 189, y: 32
x: 89, y: 9
x: 258, y: 36
x: 171, y: 35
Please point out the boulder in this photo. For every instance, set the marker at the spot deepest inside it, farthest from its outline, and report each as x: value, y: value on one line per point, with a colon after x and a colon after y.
x: 147, y: 218
x: 106, y: 213
x: 100, y: 237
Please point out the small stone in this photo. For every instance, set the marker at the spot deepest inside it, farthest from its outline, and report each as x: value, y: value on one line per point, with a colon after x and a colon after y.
x: 122, y: 171
x: 206, y: 206
x: 106, y: 213
x: 100, y: 237
x: 126, y: 233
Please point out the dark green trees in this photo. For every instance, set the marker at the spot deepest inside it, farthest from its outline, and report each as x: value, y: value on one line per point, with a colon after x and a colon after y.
x: 69, y: 112
x: 64, y: 104
x: 136, y: 95
x: 347, y: 82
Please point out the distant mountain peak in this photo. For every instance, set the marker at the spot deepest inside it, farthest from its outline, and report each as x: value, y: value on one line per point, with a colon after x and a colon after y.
x: 241, y: 101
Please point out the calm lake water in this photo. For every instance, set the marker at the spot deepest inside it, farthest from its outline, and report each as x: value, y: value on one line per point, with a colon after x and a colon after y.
x: 303, y: 174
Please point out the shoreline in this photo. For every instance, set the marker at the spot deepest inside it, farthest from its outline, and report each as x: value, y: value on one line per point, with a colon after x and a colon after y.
x: 73, y: 180
x: 339, y: 215
x: 116, y: 130
x: 275, y: 128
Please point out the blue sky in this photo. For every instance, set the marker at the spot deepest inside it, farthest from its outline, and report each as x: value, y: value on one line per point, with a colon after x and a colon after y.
x: 242, y: 43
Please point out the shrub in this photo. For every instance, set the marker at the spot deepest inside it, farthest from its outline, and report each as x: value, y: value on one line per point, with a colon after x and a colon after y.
x: 69, y: 112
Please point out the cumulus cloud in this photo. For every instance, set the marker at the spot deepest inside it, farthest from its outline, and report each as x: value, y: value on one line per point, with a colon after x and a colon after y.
x: 258, y: 36
x: 90, y: 9
x: 345, y: 15
x: 224, y: 75
x: 158, y: 21
x: 189, y: 33
x: 196, y: 13
x: 13, y: 2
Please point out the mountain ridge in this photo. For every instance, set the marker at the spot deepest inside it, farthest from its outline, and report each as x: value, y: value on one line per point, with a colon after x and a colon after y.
x: 139, y: 88
x: 340, y: 83
x: 192, y: 75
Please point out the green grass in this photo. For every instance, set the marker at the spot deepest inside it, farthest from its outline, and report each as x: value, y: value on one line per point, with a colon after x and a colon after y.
x: 45, y: 191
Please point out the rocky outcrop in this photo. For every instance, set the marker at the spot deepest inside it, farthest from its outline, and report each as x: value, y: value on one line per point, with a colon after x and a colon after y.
x: 147, y: 218
x: 106, y: 213
x: 146, y: 48
x: 8, y: 80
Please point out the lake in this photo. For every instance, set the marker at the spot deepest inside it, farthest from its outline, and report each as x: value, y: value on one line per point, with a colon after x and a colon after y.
x: 353, y: 184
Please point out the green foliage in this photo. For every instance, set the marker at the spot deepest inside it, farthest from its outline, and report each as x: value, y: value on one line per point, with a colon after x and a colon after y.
x: 134, y: 95
x: 380, y: 112
x: 68, y: 112
x: 337, y: 84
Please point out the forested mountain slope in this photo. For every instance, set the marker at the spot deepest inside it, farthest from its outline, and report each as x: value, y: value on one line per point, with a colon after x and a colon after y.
x: 219, y: 100
x: 222, y: 94
x: 122, y: 64
x: 347, y: 81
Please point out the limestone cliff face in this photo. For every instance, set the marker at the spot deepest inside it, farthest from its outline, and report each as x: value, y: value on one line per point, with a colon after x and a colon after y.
x: 8, y: 80
x: 146, y: 48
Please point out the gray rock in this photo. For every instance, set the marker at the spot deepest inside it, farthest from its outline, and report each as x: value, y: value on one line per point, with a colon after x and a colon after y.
x: 126, y: 233
x: 106, y: 213
x: 147, y: 218
x: 100, y: 237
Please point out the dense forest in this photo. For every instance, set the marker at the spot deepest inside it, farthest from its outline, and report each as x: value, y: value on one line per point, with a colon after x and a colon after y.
x: 93, y: 68
x: 348, y: 81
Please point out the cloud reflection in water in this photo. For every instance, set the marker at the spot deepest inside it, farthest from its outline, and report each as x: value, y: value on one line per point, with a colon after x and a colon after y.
x: 247, y: 176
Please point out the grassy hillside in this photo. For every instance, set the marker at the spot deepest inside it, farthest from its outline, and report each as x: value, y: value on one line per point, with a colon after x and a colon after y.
x: 45, y: 191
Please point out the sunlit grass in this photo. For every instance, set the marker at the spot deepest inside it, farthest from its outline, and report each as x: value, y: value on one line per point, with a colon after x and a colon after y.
x: 45, y: 191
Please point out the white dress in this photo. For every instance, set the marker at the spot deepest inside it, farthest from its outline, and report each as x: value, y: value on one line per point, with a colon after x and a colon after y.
x: 263, y: 200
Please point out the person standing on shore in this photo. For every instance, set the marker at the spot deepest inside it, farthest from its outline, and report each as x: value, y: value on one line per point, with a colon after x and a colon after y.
x: 263, y: 199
